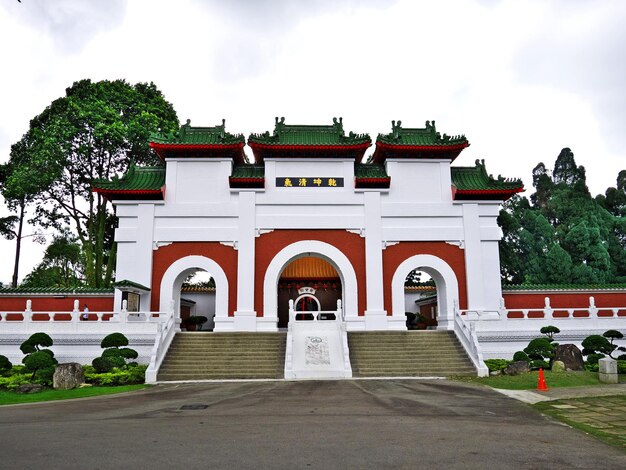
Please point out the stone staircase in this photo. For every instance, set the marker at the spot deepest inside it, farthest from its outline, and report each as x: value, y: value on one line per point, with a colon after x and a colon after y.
x: 214, y: 356
x: 407, y: 354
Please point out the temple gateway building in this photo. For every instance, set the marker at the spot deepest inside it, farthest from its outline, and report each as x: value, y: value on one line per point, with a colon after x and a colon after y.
x: 311, y: 246
x: 309, y: 212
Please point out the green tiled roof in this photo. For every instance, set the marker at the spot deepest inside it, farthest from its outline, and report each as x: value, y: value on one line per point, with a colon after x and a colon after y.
x: 472, y: 182
x: 369, y: 170
x: 552, y: 287
x: 305, y: 135
x: 126, y: 284
x: 371, y: 175
x: 55, y: 290
x: 138, y: 181
x: 427, y: 136
x: 247, y: 176
x: 420, y: 143
x: 288, y: 141
x: 188, y: 135
x: 248, y: 171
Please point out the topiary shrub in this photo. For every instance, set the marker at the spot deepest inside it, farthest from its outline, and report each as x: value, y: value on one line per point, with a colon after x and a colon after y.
x: 612, y: 335
x: 521, y: 356
x: 33, y: 343
x: 550, y: 331
x: 5, y: 364
x: 41, y: 364
x: 114, y: 355
x: 114, y: 340
x: 539, y: 349
x: 596, y: 344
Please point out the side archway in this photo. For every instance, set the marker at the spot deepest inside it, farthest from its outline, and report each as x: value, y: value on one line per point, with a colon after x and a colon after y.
x: 177, y: 272
x: 300, y: 249
x: 445, y: 280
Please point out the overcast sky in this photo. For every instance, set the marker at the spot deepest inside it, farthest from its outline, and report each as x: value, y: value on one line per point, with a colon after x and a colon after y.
x: 521, y: 79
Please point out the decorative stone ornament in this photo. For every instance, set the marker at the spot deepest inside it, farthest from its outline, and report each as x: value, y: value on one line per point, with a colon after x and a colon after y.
x: 516, y: 368
x: 68, y: 376
x: 570, y: 355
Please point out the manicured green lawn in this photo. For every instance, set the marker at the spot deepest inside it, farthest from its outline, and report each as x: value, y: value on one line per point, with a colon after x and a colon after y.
x: 529, y: 381
x: 11, y: 398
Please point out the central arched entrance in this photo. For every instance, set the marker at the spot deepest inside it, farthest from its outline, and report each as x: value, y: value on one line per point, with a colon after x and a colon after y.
x: 311, y: 249
x: 312, y: 283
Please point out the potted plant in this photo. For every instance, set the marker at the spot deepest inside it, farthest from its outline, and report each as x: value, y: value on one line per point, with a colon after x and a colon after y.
x: 192, y: 322
x: 421, y: 321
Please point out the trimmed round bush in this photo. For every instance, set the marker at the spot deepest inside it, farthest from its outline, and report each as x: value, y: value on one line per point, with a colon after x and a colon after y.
x: 111, y: 352
x: 539, y: 349
x: 33, y: 343
x: 114, y: 340
x: 39, y: 360
x: 102, y: 364
x: 520, y: 356
x: 5, y: 364
x: 597, y: 344
x: 128, y: 353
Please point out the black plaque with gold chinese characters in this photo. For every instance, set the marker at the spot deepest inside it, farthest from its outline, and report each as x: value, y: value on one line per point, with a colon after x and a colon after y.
x: 309, y: 182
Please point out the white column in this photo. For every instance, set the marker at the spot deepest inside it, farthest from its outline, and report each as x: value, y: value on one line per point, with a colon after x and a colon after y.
x: 375, y: 314
x: 473, y: 258
x: 245, y: 316
x: 134, y: 260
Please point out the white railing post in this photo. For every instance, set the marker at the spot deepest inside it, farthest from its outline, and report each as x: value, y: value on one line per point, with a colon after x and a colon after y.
x: 339, y: 310
x: 292, y: 314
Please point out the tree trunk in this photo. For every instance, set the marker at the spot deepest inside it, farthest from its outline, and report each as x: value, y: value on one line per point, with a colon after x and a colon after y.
x: 18, y: 245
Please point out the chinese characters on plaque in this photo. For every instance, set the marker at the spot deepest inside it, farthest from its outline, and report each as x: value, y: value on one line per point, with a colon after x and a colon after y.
x: 309, y: 182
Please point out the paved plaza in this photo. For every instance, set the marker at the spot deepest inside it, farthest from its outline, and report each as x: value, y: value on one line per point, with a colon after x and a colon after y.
x: 311, y: 424
x: 602, y: 415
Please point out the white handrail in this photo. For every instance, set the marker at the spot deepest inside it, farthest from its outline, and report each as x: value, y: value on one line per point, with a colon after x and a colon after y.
x: 466, y: 333
x: 162, y: 342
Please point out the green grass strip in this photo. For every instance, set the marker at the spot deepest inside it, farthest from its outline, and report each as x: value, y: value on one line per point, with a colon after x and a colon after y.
x: 529, y: 381
x: 12, y: 398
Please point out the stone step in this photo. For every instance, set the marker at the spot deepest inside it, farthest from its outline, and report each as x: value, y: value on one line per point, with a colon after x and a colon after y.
x: 403, y: 353
x: 202, y: 356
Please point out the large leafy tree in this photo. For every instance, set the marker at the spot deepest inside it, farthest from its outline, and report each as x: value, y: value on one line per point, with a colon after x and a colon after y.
x: 19, y: 185
x: 93, y: 132
x: 563, y: 235
x: 62, y: 265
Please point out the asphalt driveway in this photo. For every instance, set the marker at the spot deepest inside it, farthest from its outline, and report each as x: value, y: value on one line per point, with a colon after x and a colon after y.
x: 311, y: 424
